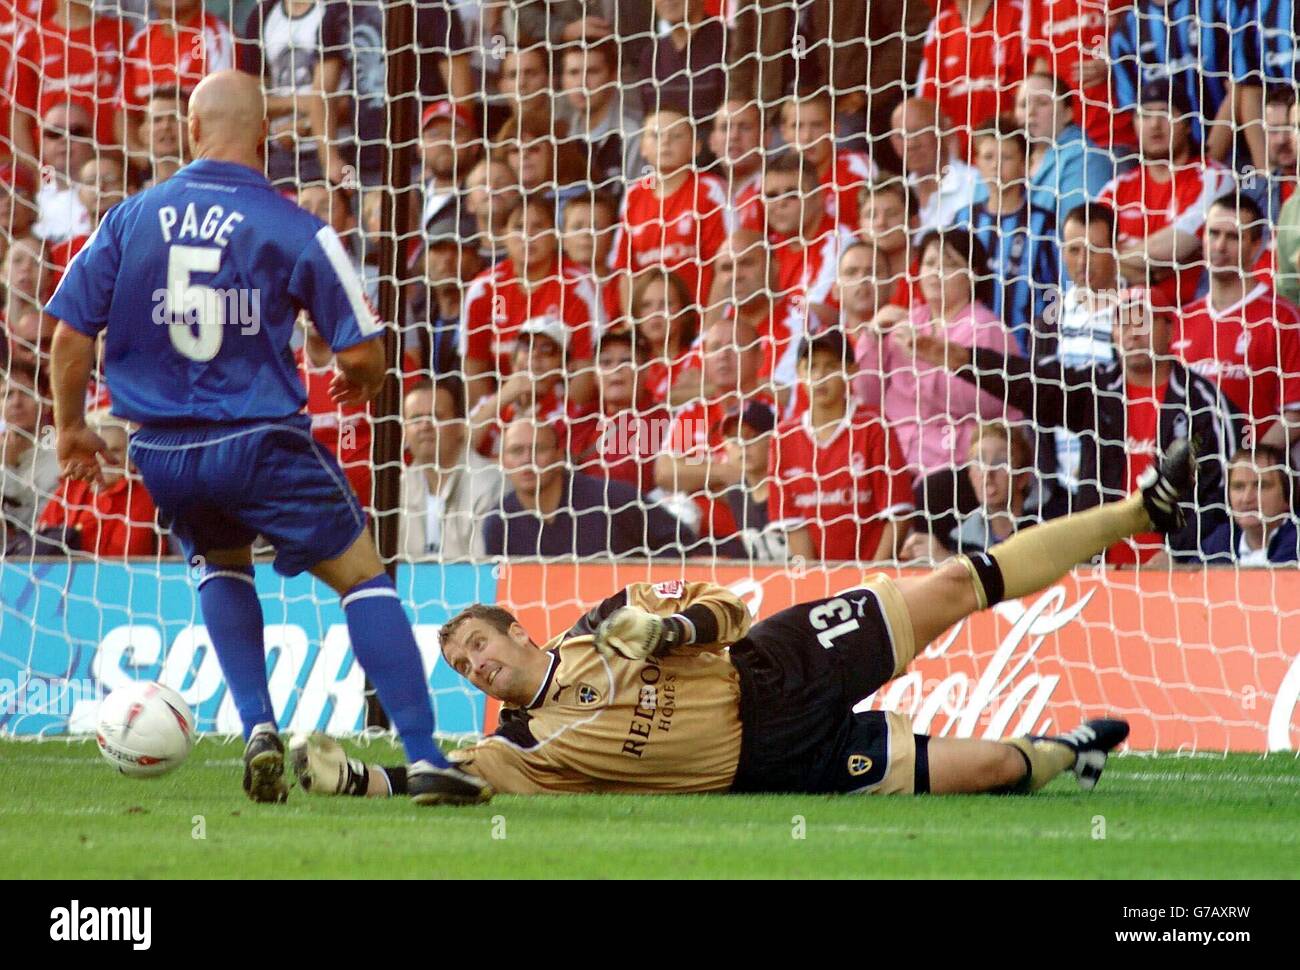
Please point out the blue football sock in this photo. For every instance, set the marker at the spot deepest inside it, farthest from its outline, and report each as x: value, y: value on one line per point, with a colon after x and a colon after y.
x: 233, y: 615
x: 384, y: 645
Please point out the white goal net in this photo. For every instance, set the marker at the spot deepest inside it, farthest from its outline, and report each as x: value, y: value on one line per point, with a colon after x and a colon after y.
x: 766, y: 292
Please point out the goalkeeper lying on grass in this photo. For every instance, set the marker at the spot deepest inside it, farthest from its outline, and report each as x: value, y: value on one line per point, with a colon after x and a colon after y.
x: 666, y: 688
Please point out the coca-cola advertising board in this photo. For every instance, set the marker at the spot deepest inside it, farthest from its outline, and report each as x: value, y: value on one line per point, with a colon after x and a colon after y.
x: 1201, y: 660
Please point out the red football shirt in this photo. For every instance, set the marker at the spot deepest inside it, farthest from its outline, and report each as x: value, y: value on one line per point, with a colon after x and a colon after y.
x: 15, y: 20
x: 845, y: 490
x: 1251, y: 350
x: 971, y: 70
x: 1145, y: 205
x: 808, y: 272
x: 681, y: 232
x: 1065, y: 32
x: 53, y: 65
x: 694, y: 432
x: 160, y: 57
x: 345, y: 431
x: 844, y: 179
x: 1142, y: 441
x: 498, y: 303
x: 622, y: 446
x: 114, y: 521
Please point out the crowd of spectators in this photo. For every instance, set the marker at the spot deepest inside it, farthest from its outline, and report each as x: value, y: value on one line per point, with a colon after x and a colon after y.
x: 758, y: 279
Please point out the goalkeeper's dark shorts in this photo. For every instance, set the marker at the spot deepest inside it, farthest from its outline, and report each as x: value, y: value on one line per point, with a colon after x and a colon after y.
x: 802, y: 672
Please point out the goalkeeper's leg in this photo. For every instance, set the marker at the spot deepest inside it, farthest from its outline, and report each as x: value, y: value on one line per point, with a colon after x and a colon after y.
x: 1039, y: 556
x: 957, y: 766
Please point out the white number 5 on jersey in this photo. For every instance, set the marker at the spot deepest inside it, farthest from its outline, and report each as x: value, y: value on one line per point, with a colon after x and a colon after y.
x: 194, y: 302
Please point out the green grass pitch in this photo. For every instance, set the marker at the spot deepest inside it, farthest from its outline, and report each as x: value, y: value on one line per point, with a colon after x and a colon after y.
x: 66, y: 814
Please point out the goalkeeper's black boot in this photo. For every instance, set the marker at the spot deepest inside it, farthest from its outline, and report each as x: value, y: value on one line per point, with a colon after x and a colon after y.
x: 1092, y: 743
x: 264, y: 766
x: 445, y: 786
x: 1166, y: 483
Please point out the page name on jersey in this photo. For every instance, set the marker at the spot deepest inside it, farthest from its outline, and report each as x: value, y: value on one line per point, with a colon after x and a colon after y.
x: 216, y: 225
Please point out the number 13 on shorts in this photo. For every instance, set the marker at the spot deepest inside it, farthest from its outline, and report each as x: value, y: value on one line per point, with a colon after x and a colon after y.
x: 824, y: 614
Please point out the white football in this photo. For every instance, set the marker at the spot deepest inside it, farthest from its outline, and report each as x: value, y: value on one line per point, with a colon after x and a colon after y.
x: 145, y: 729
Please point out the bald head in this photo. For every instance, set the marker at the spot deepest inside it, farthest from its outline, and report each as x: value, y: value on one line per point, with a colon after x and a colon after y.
x: 227, y: 118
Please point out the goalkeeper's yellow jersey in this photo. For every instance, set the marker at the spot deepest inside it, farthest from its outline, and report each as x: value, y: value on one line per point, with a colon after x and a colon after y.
x: 667, y: 724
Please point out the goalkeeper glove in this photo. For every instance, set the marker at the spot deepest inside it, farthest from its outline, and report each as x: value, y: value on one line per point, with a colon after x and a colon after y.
x: 635, y: 634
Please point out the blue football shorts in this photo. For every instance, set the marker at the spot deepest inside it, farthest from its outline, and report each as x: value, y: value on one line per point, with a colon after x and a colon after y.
x: 220, y: 486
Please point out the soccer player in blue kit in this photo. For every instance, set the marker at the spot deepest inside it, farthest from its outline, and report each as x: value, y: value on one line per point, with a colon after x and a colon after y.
x: 196, y: 284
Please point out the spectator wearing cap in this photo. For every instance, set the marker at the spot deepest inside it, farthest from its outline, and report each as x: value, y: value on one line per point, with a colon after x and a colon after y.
x: 29, y: 469
x: 75, y: 55
x: 449, y: 148
x: 665, y: 317
x: 551, y: 511
x: 1262, y: 530
x: 622, y: 438
x: 178, y: 48
x: 887, y: 223
x: 693, y: 463
x: 533, y: 281
x: 673, y: 218
x: 448, y: 491
x: 839, y: 481
x: 112, y: 519
x: 606, y: 121
x: 922, y: 136
x: 491, y: 194
x: 538, y: 386
x: 1001, y: 475
x: 1160, y: 205
x: 736, y: 140
x: 1065, y: 168
x: 587, y: 241
x: 687, y: 66
x: 67, y: 143
x: 1128, y: 413
x: 163, y: 132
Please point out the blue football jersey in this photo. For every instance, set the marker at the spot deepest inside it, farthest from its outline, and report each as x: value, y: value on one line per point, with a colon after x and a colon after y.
x: 198, y: 282
x: 1183, y: 41
x: 1264, y: 41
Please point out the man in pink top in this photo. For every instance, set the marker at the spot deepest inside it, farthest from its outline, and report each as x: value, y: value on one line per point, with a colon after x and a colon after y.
x: 933, y: 416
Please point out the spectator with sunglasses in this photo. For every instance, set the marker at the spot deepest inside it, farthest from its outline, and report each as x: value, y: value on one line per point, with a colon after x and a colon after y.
x: 67, y: 143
